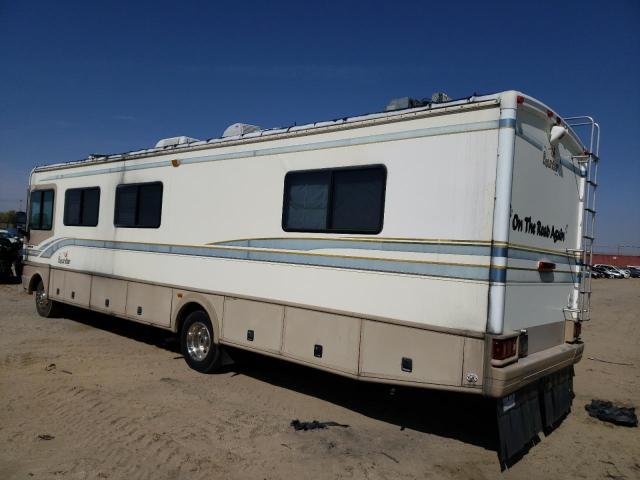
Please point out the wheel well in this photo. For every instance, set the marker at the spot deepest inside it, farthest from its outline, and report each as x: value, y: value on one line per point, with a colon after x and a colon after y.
x: 185, y: 311
x: 33, y: 283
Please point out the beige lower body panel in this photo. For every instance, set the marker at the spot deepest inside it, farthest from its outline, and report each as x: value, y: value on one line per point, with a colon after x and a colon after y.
x: 109, y: 295
x: 322, y: 339
x: 253, y: 324
x: 361, y: 348
x: 431, y: 357
x: 31, y: 271
x: 501, y: 381
x: 149, y: 303
x: 77, y: 288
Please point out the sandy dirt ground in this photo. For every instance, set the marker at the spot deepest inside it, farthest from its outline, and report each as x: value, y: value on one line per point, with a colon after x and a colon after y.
x: 89, y: 396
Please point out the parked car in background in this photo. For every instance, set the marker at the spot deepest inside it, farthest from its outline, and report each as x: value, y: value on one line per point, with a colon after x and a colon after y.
x: 634, y: 271
x: 615, y: 271
x: 9, y: 236
x: 624, y: 272
x: 607, y: 271
x: 9, y: 257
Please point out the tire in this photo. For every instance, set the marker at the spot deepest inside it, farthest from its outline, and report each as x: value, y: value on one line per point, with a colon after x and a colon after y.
x: 44, y: 305
x: 197, y: 343
x: 5, y: 270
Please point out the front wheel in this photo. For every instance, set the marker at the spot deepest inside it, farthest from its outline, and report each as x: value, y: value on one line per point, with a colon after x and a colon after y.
x: 44, y: 305
x: 197, y: 345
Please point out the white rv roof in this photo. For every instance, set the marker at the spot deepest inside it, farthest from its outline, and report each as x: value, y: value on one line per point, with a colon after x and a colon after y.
x: 268, y: 133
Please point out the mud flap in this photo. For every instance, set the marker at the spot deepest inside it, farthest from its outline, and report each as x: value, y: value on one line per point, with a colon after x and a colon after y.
x: 557, y: 395
x: 519, y: 422
x: 525, y: 413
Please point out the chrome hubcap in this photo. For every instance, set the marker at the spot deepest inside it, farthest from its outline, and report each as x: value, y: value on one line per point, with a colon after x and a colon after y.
x: 41, y: 298
x: 198, y: 341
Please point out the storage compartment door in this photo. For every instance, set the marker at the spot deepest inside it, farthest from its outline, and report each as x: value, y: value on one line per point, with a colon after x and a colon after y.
x: 322, y: 339
x: 253, y: 324
x: 77, y: 288
x: 149, y: 303
x: 109, y: 295
x: 396, y: 352
x: 56, y: 284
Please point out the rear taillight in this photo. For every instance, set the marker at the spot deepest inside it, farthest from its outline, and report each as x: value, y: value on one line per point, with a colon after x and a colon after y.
x: 546, y: 266
x: 504, y: 348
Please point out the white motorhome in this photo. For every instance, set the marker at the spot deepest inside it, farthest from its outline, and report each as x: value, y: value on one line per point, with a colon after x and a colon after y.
x: 442, y: 245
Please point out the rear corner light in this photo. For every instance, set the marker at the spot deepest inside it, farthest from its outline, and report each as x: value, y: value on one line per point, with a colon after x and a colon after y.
x: 546, y: 266
x: 523, y: 344
x: 501, y: 349
x: 520, y: 99
x: 549, y: 113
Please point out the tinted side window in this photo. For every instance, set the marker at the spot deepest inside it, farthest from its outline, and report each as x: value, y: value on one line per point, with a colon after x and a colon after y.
x: 138, y: 205
x: 358, y: 197
x: 35, y: 214
x: 72, y: 205
x: 348, y: 200
x: 41, y: 210
x: 91, y: 206
x: 307, y: 200
x: 47, y: 210
x: 126, y: 199
x: 149, y: 205
x: 81, y: 207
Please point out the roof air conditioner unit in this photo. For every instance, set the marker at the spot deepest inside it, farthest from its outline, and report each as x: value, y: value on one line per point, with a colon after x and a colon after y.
x: 175, y: 141
x: 240, y: 129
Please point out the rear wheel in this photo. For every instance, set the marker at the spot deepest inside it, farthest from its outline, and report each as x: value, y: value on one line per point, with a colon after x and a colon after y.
x: 196, y: 341
x: 44, y: 305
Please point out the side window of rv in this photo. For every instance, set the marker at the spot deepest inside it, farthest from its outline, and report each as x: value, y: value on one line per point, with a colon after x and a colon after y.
x: 341, y: 200
x: 41, y: 210
x: 138, y: 205
x: 81, y: 207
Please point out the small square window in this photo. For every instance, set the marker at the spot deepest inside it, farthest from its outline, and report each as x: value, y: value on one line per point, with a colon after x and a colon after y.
x: 138, y: 205
x: 81, y: 207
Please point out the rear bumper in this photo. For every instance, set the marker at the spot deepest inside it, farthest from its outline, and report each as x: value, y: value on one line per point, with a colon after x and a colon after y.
x: 501, y: 381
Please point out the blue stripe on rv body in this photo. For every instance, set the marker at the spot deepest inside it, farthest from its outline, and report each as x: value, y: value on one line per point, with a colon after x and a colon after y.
x: 507, y: 123
x: 302, y: 244
x: 318, y: 244
x: 443, y: 248
x: 347, y: 142
x: 469, y: 272
x: 497, y: 275
x: 388, y: 266
x: 521, y: 254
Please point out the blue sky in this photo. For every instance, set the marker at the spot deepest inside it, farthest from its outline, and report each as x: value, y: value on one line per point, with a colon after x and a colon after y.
x: 82, y: 77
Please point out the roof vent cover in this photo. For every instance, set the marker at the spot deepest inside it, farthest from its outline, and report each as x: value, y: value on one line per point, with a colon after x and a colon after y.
x: 240, y: 129
x: 175, y: 141
x: 408, y: 102
x: 440, y: 97
x: 402, y: 103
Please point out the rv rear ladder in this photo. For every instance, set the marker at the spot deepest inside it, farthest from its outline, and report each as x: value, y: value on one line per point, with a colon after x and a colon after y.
x: 588, y: 165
